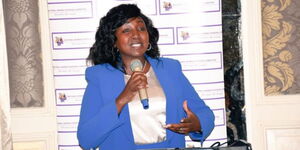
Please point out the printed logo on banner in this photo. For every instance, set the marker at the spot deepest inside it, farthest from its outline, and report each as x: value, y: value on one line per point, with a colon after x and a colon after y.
x: 190, y: 6
x: 199, y: 61
x: 185, y: 35
x: 200, y: 34
x: 59, y: 41
x: 167, y: 6
x: 69, y: 97
x: 72, y: 40
x: 70, y: 10
x: 62, y: 97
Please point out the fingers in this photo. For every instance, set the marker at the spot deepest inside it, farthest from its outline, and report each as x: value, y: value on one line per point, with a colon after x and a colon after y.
x: 182, y: 128
x: 186, y: 108
x: 140, y: 79
x: 137, y: 81
x: 186, y: 120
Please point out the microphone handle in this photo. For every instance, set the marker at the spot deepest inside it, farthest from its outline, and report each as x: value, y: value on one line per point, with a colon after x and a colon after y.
x: 144, y: 98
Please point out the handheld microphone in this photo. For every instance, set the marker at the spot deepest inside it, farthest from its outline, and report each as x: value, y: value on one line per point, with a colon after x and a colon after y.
x: 136, y: 65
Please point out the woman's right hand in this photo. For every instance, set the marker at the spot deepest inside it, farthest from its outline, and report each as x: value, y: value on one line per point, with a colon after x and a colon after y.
x: 138, y: 80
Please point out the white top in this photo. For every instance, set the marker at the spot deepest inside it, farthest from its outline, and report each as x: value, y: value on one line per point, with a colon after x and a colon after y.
x: 147, y: 124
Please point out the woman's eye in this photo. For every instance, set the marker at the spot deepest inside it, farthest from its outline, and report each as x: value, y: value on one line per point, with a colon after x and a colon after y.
x: 142, y: 29
x: 126, y: 30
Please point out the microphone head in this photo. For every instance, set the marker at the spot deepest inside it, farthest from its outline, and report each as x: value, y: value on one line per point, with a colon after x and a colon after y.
x: 136, y: 65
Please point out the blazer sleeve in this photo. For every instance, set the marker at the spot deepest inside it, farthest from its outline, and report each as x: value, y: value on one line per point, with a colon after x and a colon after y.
x: 198, y: 107
x: 97, y: 120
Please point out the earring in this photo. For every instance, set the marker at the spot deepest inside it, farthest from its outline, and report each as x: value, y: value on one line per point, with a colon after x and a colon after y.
x: 150, y: 47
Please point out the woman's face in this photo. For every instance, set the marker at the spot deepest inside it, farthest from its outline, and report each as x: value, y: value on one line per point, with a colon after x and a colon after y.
x: 132, y: 38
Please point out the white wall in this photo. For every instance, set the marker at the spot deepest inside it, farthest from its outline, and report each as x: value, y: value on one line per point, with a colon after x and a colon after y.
x: 5, y: 132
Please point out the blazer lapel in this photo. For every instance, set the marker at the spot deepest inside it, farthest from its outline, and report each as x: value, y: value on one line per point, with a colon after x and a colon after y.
x: 166, y: 83
x: 118, y: 84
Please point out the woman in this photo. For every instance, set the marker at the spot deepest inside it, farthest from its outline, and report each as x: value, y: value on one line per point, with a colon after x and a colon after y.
x: 112, y: 116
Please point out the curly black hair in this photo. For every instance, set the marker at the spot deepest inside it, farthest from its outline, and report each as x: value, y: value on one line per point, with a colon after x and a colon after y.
x: 103, y: 50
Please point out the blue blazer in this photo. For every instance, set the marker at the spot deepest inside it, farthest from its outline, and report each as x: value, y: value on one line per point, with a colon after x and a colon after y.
x: 101, y: 126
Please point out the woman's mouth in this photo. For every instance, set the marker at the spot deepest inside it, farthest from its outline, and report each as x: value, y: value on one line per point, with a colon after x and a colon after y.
x: 136, y: 45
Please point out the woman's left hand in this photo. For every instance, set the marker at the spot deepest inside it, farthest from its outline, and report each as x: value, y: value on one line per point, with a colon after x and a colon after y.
x: 189, y: 124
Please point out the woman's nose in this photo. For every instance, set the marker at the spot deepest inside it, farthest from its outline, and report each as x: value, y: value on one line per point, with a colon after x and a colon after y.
x: 135, y: 34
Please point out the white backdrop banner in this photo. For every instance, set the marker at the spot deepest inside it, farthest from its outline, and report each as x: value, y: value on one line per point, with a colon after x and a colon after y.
x: 190, y: 31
